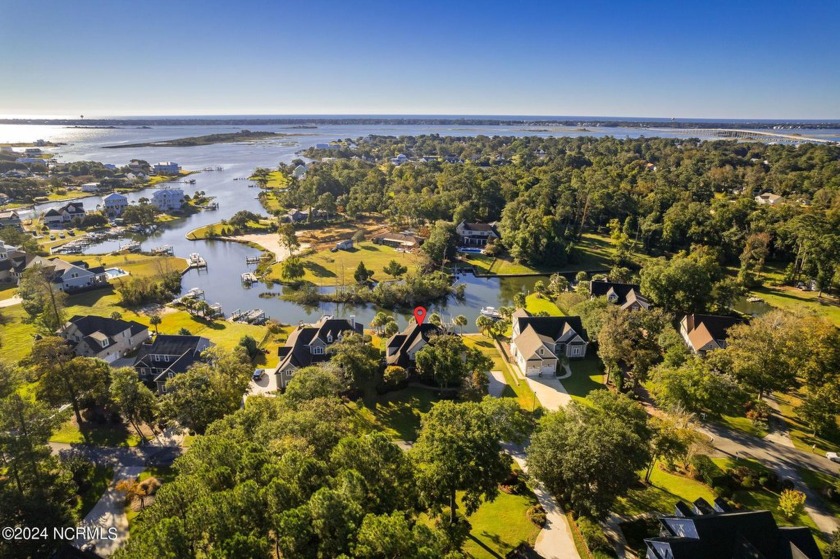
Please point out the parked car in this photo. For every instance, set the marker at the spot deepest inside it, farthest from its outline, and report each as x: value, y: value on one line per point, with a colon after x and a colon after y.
x: 833, y: 456
x: 258, y: 374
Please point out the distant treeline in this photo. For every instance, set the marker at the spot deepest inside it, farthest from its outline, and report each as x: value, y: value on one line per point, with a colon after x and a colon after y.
x: 431, y: 120
x: 242, y: 136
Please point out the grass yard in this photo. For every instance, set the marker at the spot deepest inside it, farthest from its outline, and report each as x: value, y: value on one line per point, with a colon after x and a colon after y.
x: 587, y: 375
x: 800, y: 433
x: 744, y: 425
x: 7, y: 291
x: 536, y: 303
x: 663, y: 492
x: 396, y: 414
x: 101, y: 435
x: 98, y: 481
x: 270, y: 201
x: 819, y: 481
x: 516, y: 388
x: 138, y: 265
x: 163, y: 474
x: 499, y: 526
x: 276, y: 179
x: 790, y: 298
x: 326, y: 268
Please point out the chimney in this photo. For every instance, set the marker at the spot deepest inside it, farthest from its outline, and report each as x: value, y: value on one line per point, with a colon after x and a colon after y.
x: 353, y: 320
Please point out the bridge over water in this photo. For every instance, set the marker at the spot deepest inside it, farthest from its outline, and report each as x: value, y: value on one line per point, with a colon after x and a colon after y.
x: 743, y: 135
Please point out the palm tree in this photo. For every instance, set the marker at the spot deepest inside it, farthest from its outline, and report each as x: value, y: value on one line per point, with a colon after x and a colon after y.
x: 484, y: 324
x: 435, y: 319
x: 460, y: 321
x: 155, y: 321
x: 379, y: 321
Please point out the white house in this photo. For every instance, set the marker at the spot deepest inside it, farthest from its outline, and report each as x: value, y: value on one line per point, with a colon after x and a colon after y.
x: 346, y: 244
x: 10, y: 218
x: 90, y: 187
x: 168, y: 199
x: 167, y: 168
x: 33, y: 152
x: 114, y: 204
x: 476, y: 234
x: 768, y: 199
x: 64, y: 214
x: 539, y: 342
x: 299, y: 172
x: 399, y: 160
x: 69, y: 276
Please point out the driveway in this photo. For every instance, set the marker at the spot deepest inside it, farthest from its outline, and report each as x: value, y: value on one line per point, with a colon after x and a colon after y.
x: 109, y: 512
x: 550, y: 392
x: 11, y: 301
x: 263, y: 386
x: 497, y: 383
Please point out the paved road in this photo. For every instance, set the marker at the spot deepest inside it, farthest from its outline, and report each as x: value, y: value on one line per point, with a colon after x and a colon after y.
x: 109, y: 512
x: 146, y: 455
x: 11, y: 301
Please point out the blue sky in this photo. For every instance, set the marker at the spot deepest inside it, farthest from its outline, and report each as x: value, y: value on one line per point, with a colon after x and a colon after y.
x: 734, y: 59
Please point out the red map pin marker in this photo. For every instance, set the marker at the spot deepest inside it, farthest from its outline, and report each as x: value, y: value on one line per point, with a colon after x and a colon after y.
x: 419, y: 314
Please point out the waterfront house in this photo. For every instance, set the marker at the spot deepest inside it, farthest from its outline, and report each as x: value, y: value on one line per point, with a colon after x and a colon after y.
x: 4, y: 199
x: 58, y: 217
x: 295, y: 215
x: 10, y: 218
x: 92, y: 187
x: 625, y: 295
x: 68, y: 276
x: 402, y: 347
x: 307, y: 345
x: 346, y: 244
x: 166, y: 168
x: 12, y: 263
x: 168, y: 199
x: 706, y: 332
x: 705, y: 531
x: 104, y: 338
x: 167, y: 356
x: 33, y: 152
x: 476, y: 234
x: 399, y: 160
x: 114, y: 204
x: 539, y: 342
x: 768, y: 199
x: 299, y: 172
x: 322, y: 146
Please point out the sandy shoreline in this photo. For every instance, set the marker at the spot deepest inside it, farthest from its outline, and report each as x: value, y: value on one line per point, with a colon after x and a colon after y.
x: 269, y: 242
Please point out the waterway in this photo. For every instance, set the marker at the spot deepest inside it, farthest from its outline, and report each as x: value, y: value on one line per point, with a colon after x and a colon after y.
x: 226, y: 261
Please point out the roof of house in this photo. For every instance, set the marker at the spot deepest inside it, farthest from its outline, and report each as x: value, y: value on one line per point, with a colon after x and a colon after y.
x: 626, y: 293
x: 296, y: 351
x: 56, y: 267
x: 479, y: 226
x: 96, y: 329
x: 185, y: 349
x: 732, y: 535
x: 114, y: 196
x: 409, y: 339
x: 9, y: 214
x: 706, y: 329
x: 529, y: 341
x: 554, y: 327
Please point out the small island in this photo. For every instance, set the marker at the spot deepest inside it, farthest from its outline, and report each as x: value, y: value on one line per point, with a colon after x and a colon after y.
x: 229, y: 138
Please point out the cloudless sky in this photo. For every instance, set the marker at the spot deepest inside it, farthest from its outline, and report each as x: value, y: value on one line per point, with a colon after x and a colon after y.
x: 664, y: 58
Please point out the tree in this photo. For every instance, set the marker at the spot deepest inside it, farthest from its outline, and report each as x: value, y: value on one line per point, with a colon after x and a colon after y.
x: 394, y: 375
x: 362, y: 274
x: 588, y: 456
x: 833, y: 550
x: 441, y: 244
x: 249, y: 344
x: 326, y: 203
x: 670, y: 441
x: 791, y: 503
x: 207, y: 391
x: 41, y: 300
x: 287, y: 238
x: 395, y: 269
x: 313, y: 382
x: 820, y: 408
x: 391, y: 328
x: 682, y: 284
x: 557, y: 284
x: 460, y: 321
x: 135, y: 402
x: 139, y: 490
x: 694, y: 387
x: 631, y: 338
x: 292, y: 269
x: 459, y: 449
x: 155, y: 321
x: 446, y: 359
x: 484, y: 324
x: 592, y: 313
x: 356, y: 358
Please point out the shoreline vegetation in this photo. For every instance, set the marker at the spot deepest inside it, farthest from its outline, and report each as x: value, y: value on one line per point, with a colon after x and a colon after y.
x: 233, y: 137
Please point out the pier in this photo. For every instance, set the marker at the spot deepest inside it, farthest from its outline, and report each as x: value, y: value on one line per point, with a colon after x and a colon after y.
x: 249, y: 278
x: 196, y: 261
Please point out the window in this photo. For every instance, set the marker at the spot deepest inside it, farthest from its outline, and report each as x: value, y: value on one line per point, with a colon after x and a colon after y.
x: 575, y: 351
x: 166, y: 358
x: 329, y: 338
x: 157, y: 357
x: 317, y: 350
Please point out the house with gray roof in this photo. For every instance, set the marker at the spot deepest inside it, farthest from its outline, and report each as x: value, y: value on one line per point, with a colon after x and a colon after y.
x: 402, y: 347
x: 476, y: 234
x: 626, y: 295
x: 168, y: 356
x: 307, y: 345
x: 538, y: 343
x: 104, y: 338
x: 707, y: 332
x: 704, y: 531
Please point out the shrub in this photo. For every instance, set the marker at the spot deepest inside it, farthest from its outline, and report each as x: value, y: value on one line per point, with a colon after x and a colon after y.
x: 536, y: 514
x: 769, y: 480
x: 791, y: 503
x: 702, y: 468
x: 786, y: 485
x: 593, y: 535
x: 394, y: 375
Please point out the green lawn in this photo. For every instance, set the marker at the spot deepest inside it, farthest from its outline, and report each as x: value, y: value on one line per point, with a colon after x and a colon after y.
x: 662, y: 494
x: 799, y: 431
x: 276, y: 179
x: 744, y: 425
x: 102, y: 435
x: 98, y: 482
x: 535, y: 303
x: 499, y: 526
x: 587, y: 375
x: 516, y: 388
x: 138, y: 265
x: 819, y: 481
x: 327, y: 268
x: 397, y: 414
x: 8, y: 291
x: 270, y: 201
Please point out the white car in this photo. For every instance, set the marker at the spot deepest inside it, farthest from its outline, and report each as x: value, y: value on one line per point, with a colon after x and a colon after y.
x: 833, y: 456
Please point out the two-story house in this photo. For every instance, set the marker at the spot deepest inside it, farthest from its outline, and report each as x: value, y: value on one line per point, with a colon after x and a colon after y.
x: 539, y: 342
x: 706, y: 332
x: 402, y: 347
x: 168, y: 199
x: 626, y: 295
x: 166, y: 168
x: 10, y: 218
x: 114, y: 204
x: 168, y: 356
x: 12, y: 263
x: 69, y: 276
x: 104, y: 338
x: 58, y: 217
x: 307, y: 345
x: 476, y: 234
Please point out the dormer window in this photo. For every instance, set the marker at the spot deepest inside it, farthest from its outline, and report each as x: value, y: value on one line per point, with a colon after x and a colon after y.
x: 329, y: 338
x: 104, y: 343
x: 317, y: 350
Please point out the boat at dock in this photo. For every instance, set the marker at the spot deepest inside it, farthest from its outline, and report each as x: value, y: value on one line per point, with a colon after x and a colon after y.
x: 248, y: 278
x: 491, y: 312
x: 165, y: 249
x: 196, y: 261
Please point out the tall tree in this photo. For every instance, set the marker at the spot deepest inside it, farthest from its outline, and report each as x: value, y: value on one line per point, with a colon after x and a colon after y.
x: 135, y: 402
x: 356, y: 357
x: 41, y: 299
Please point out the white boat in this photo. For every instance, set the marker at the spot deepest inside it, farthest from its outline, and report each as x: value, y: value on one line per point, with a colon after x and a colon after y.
x: 195, y: 257
x: 754, y: 300
x: 490, y: 312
